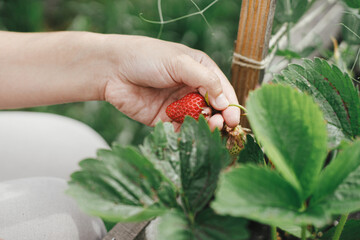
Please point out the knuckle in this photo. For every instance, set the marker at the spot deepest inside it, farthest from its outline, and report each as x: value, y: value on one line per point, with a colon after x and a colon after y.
x: 182, y: 59
x: 212, y: 80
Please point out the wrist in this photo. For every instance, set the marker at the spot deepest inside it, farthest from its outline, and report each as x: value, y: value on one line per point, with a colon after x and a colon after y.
x: 95, y: 68
x: 121, y: 54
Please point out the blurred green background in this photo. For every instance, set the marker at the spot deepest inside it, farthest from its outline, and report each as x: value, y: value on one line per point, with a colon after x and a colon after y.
x: 122, y: 17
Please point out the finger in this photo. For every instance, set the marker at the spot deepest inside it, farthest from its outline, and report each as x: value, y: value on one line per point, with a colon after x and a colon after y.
x: 231, y: 114
x: 216, y: 121
x: 190, y: 72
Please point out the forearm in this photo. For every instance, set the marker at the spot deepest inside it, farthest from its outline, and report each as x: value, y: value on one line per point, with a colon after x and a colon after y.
x: 51, y: 68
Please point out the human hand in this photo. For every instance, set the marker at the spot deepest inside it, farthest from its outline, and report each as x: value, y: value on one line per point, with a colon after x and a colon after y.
x: 149, y: 74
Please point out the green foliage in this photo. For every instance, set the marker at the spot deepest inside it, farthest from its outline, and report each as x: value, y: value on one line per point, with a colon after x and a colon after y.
x: 121, y: 185
x: 290, y: 10
x: 22, y: 17
x: 175, y: 175
x: 252, y: 152
x: 281, y: 197
x: 208, y: 226
x: 202, y: 155
x: 351, y: 231
x: 337, y: 172
x: 260, y: 194
x: 353, y: 3
x: 269, y: 112
x: 174, y: 225
x: 161, y: 148
x: 293, y: 230
x: 290, y: 54
x: 342, y: 195
x: 122, y: 17
x: 333, y: 90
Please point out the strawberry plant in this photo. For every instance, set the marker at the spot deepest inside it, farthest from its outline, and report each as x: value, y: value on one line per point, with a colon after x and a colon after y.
x: 303, y: 177
x: 173, y: 175
x: 297, y: 174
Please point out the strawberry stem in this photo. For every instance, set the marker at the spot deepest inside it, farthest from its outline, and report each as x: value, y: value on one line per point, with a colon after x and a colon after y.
x: 207, y: 98
x: 239, y: 106
x: 339, y: 228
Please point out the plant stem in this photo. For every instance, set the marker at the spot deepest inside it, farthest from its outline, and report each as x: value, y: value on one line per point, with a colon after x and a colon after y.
x: 179, y: 18
x: 303, y: 232
x: 288, y: 36
x: 239, y: 106
x: 340, y: 227
x: 273, y: 233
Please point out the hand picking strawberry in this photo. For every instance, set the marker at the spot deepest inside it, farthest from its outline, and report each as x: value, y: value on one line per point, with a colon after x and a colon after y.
x: 140, y: 76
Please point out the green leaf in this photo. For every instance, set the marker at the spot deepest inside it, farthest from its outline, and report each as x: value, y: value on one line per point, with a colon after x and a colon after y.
x: 207, y: 226
x: 346, y: 197
x: 351, y: 231
x: 174, y: 225
x: 347, y: 161
x: 261, y: 194
x: 291, y: 129
x: 333, y: 90
x: 294, y: 230
x: 203, y: 155
x: 96, y: 205
x: 252, y: 152
x: 161, y: 147
x: 307, y: 51
x: 288, y: 54
x: 121, y: 185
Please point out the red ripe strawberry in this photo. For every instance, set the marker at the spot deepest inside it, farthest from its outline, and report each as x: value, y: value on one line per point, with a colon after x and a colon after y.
x: 191, y: 104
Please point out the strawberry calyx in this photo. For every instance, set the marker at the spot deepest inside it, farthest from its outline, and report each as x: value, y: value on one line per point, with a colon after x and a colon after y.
x: 235, y: 140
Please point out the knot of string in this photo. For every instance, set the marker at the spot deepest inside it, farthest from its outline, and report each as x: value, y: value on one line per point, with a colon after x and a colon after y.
x: 243, y: 61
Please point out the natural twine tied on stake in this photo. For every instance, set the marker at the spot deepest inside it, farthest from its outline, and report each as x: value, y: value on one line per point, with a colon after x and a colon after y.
x: 243, y: 61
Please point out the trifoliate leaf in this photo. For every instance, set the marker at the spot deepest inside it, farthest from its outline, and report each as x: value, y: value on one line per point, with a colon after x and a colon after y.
x: 291, y: 129
x: 333, y: 90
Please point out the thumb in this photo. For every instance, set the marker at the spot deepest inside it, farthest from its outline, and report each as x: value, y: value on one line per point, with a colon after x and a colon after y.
x: 187, y: 71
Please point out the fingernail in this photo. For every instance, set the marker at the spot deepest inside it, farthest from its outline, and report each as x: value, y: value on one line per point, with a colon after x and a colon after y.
x: 202, y: 91
x: 221, y: 102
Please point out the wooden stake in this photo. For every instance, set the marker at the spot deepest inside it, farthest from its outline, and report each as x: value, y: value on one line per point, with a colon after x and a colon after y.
x: 254, y: 32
